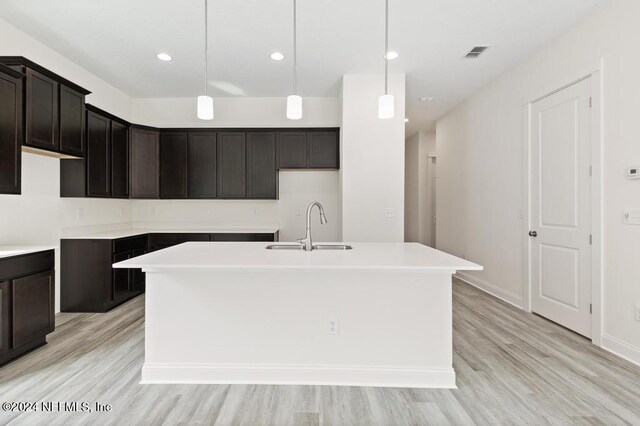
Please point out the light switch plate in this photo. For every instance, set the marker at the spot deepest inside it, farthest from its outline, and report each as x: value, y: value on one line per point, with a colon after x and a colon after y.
x: 631, y: 217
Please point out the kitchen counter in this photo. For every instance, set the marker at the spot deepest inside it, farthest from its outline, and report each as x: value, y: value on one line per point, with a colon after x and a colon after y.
x: 124, y: 233
x: 254, y: 255
x: 10, y: 251
x: 377, y: 315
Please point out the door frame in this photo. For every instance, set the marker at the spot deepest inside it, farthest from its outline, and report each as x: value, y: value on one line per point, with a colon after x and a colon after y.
x: 595, y: 74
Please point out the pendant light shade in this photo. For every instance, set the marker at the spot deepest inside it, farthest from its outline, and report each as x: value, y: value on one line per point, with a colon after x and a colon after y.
x: 386, y: 107
x: 294, y: 107
x: 205, y: 107
x: 294, y: 102
x: 205, y: 102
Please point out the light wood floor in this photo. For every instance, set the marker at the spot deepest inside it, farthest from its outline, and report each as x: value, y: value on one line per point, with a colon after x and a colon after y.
x: 512, y: 367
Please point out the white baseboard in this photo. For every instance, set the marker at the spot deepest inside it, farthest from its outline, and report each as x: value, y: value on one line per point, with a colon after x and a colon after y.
x: 444, y: 378
x: 622, y: 349
x: 509, y: 297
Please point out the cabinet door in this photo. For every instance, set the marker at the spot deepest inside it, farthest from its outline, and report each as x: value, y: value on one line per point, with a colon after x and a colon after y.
x: 323, y: 150
x: 144, y: 167
x: 32, y: 307
x: 98, y: 155
x: 262, y: 176
x: 173, y: 165
x: 119, y: 160
x: 41, y: 111
x: 72, y: 121
x: 121, y: 284
x: 137, y: 276
x: 11, y: 133
x: 232, y: 179
x: 202, y: 156
x: 292, y: 150
x: 5, y: 317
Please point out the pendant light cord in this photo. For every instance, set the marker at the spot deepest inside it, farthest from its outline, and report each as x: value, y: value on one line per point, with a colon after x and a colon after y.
x: 206, y: 44
x: 295, y: 49
x: 386, y: 47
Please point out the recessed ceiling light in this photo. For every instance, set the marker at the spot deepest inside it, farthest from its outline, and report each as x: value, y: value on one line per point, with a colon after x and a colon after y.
x: 164, y: 57
x: 392, y: 55
x: 427, y: 99
x: 277, y: 56
x: 406, y: 120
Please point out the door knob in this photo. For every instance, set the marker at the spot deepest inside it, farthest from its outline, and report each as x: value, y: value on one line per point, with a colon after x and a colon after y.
x: 533, y: 234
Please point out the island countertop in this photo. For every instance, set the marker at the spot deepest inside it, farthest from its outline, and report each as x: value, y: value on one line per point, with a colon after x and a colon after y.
x: 254, y: 255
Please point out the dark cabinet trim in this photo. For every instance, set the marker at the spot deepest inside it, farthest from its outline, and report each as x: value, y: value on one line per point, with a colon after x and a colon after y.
x: 26, y: 63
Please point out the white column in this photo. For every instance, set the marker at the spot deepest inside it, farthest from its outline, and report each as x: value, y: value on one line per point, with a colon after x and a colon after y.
x: 372, y: 160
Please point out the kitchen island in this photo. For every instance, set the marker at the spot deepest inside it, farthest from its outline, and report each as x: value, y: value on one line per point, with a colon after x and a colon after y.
x: 379, y: 314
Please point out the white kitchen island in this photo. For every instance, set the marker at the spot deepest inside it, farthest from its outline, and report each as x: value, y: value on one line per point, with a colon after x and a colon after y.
x: 377, y: 315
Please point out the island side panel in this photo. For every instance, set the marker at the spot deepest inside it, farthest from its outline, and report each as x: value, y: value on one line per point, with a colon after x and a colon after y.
x: 272, y: 326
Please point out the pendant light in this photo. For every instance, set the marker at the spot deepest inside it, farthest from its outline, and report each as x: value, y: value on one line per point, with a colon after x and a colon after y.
x: 386, y: 108
x: 294, y: 102
x: 205, y: 102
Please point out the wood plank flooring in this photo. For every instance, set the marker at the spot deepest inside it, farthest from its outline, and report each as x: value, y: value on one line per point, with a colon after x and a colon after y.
x: 512, y: 368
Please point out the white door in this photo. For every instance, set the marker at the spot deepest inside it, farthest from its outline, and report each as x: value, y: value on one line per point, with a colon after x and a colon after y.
x: 560, y: 236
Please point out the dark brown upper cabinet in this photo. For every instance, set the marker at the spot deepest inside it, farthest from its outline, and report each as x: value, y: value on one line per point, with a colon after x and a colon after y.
x: 323, y: 150
x: 173, y: 164
x: 309, y: 149
x: 72, y: 122
x: 98, y: 155
x: 232, y: 178
x: 11, y: 130
x: 119, y: 160
x: 202, y: 159
x: 144, y: 169
x: 42, y: 111
x: 262, y: 174
x: 292, y: 149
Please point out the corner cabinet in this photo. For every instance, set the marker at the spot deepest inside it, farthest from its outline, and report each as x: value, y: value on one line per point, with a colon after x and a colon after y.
x: 26, y: 303
x: 11, y: 130
x: 144, y: 169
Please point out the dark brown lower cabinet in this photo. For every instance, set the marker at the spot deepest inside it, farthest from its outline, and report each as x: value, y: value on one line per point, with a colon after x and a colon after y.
x: 88, y: 281
x: 27, y: 294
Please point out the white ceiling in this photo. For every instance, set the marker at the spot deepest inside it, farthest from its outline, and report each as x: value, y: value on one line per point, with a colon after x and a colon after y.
x: 118, y: 40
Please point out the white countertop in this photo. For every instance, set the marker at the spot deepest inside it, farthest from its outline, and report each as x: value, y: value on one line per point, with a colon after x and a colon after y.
x: 254, y: 255
x: 124, y: 233
x: 9, y: 251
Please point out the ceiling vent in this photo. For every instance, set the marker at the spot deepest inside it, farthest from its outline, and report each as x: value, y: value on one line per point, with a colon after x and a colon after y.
x: 476, y: 51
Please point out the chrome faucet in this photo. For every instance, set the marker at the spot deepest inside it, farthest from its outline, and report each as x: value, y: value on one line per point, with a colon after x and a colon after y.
x: 306, y: 241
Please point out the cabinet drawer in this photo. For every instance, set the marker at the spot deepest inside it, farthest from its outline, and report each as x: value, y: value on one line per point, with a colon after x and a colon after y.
x: 133, y: 243
x: 26, y: 264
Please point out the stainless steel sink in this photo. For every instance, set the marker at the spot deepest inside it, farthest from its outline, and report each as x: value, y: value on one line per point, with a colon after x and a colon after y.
x: 331, y: 247
x: 285, y: 247
x: 315, y: 247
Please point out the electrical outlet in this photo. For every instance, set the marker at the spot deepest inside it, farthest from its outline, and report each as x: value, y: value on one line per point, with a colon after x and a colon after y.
x: 637, y: 312
x: 254, y: 211
x: 334, y: 326
x: 390, y: 213
x: 79, y: 212
x: 121, y: 212
x: 207, y: 212
x: 298, y: 212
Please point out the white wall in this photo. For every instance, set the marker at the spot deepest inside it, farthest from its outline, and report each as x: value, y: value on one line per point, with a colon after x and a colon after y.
x: 418, y: 209
x: 14, y: 42
x: 235, y: 112
x: 480, y: 165
x: 372, y: 157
